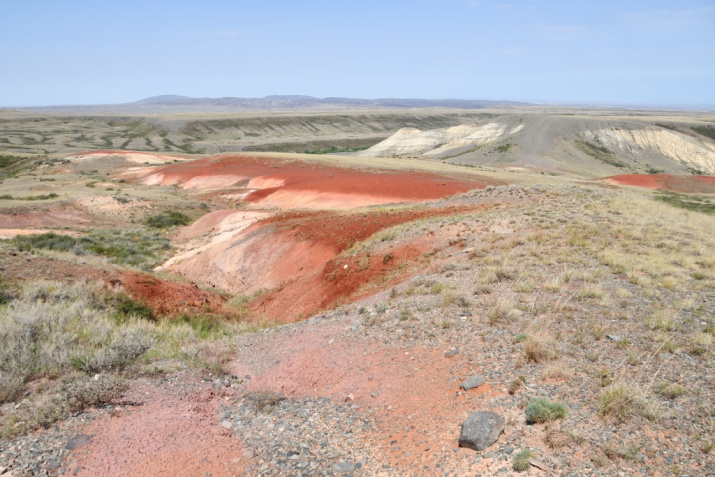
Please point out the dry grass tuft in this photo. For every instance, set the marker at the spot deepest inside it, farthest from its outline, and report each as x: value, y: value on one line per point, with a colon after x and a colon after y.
x: 622, y: 402
x: 540, y: 347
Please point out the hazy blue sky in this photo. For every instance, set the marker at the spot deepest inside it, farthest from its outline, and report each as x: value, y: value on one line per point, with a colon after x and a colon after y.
x: 101, y: 51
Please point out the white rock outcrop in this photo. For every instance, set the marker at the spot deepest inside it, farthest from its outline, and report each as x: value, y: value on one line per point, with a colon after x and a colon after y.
x: 439, y: 141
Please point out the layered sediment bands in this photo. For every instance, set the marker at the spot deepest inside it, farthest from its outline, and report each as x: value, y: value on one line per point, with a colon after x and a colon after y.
x: 682, y: 148
x: 296, y: 256
x: 292, y: 184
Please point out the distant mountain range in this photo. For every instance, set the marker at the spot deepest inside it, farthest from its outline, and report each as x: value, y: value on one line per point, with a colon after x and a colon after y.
x: 310, y: 102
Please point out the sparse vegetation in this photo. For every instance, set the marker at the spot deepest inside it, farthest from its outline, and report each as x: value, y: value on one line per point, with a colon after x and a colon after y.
x: 168, y: 218
x: 601, y: 153
x: 622, y: 402
x: 334, y: 150
x: 30, y: 197
x: 670, y: 391
x: 540, y: 347
x: 522, y: 460
x: 67, y: 334
x: 139, y: 249
x: 707, y: 131
x: 542, y: 410
x: 692, y: 202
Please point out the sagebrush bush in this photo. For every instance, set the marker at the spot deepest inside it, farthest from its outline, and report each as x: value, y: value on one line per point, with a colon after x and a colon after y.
x: 52, y: 329
x: 543, y: 410
x: 522, y: 460
x: 169, y: 218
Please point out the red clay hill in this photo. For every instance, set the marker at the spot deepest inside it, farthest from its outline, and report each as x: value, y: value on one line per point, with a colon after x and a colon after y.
x: 295, y: 259
x: 287, y: 184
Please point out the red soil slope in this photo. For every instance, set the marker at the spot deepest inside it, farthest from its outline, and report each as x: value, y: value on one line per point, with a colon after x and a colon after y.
x: 290, y: 184
x: 170, y: 298
x: 296, y: 256
x: 166, y: 298
x: 676, y: 183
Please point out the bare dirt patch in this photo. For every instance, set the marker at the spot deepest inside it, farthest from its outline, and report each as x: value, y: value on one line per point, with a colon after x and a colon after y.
x: 55, y: 217
x: 172, y: 432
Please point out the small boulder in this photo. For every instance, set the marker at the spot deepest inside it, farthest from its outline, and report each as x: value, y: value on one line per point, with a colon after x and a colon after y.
x: 451, y: 353
x: 473, y: 382
x: 481, y: 430
x: 78, y: 441
x: 344, y: 468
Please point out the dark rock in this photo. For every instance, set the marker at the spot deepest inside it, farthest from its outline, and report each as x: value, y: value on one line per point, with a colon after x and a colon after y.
x: 473, y: 382
x: 614, y: 337
x: 451, y: 353
x: 481, y: 430
x: 78, y: 441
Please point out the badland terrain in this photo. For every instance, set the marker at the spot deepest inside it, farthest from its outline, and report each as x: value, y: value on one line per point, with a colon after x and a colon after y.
x: 295, y: 286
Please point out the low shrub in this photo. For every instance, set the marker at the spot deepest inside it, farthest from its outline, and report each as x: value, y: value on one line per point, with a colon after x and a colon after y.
x: 522, y: 460
x: 168, y: 218
x: 543, y: 410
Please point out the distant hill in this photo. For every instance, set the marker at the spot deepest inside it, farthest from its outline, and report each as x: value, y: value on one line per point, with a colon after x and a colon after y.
x: 309, y: 102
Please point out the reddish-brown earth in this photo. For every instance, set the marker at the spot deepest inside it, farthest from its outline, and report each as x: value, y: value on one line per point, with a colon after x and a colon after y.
x: 171, y: 432
x: 296, y: 257
x: 170, y: 298
x: 298, y: 184
x: 58, y: 217
x: 404, y: 391
x: 166, y: 298
x: 675, y: 183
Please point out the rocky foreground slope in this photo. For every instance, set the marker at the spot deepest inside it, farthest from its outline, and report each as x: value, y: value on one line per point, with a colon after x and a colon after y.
x: 596, y: 299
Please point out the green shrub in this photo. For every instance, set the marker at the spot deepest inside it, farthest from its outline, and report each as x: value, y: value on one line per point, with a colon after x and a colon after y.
x: 205, y: 326
x: 127, y: 307
x: 140, y: 249
x: 49, y: 241
x: 30, y: 197
x: 168, y: 218
x: 543, y: 410
x: 522, y: 460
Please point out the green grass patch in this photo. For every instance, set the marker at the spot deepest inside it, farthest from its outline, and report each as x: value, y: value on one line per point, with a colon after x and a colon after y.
x: 695, y: 203
x: 140, y: 249
x: 333, y: 150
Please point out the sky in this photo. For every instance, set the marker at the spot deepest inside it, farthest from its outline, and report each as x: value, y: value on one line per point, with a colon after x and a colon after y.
x: 73, y: 52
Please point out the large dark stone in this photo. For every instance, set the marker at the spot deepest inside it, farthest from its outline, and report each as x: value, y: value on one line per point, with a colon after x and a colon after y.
x: 481, y: 430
